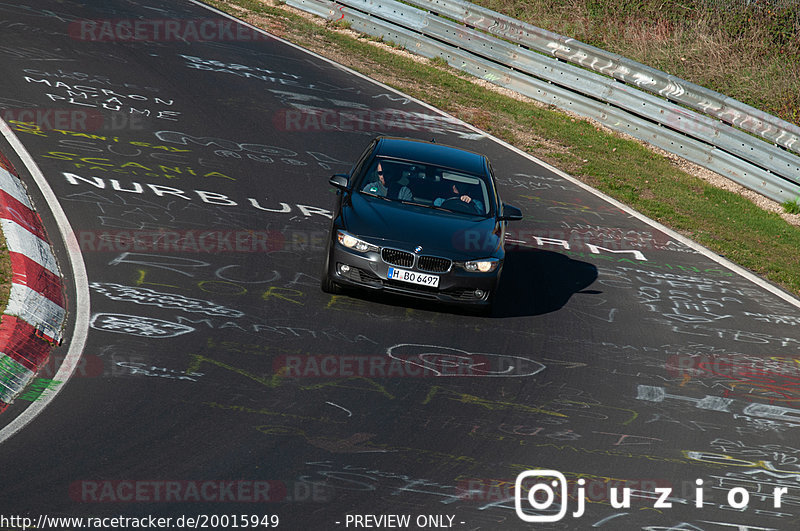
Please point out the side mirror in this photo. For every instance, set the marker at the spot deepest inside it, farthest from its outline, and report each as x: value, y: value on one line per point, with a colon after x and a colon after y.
x: 340, y: 181
x: 510, y: 213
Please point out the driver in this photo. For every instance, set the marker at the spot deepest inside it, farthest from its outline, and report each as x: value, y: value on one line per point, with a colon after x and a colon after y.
x: 458, y: 195
x: 387, y: 180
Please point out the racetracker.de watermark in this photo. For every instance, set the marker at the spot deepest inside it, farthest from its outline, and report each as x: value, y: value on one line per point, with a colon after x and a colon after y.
x: 359, y: 120
x: 52, y: 119
x: 178, y: 491
x: 770, y: 370
x: 164, y: 30
x: 181, y: 241
x: 198, y: 491
x: 376, y: 366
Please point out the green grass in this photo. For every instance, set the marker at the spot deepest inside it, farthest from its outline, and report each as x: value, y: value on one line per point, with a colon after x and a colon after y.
x: 440, y: 62
x: 722, y: 221
x: 793, y: 206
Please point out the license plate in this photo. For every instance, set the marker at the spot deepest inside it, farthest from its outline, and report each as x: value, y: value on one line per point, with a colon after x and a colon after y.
x: 412, y: 277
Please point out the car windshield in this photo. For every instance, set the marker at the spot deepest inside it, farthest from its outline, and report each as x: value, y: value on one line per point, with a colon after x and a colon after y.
x: 427, y: 185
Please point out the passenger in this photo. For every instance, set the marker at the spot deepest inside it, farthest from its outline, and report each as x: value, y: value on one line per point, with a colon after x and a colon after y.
x: 388, y: 184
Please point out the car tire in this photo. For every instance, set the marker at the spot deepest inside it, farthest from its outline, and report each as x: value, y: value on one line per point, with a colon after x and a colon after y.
x: 329, y: 286
x: 326, y: 284
x: 482, y: 310
x: 488, y: 310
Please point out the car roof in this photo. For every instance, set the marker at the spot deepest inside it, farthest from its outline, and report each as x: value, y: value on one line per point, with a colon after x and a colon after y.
x: 431, y: 153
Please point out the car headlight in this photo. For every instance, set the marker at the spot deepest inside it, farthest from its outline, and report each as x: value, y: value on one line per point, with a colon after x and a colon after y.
x: 481, y: 266
x: 351, y: 242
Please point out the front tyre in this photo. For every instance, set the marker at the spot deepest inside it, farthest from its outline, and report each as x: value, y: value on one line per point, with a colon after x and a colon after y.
x: 329, y: 286
x: 488, y: 310
x: 326, y: 284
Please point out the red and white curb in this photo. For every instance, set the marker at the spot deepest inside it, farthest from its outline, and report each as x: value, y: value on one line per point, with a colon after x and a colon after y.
x: 35, y: 314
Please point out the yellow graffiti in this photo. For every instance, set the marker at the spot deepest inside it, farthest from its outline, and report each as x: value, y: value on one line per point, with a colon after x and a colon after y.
x: 340, y: 302
x: 264, y: 411
x: 250, y: 348
x: 102, y: 164
x: 283, y: 294
x: 142, y: 274
x: 726, y: 460
x: 271, y: 381
x: 372, y: 386
x: 588, y: 405
x: 486, y: 403
x: 33, y: 128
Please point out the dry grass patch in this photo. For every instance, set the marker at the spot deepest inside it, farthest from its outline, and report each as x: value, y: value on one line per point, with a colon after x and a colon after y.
x: 750, y: 53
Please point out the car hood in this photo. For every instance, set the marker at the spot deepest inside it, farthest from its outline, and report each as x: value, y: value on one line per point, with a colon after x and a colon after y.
x: 391, y: 223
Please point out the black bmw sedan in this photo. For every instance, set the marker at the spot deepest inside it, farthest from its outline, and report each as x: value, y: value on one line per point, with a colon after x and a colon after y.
x: 418, y: 219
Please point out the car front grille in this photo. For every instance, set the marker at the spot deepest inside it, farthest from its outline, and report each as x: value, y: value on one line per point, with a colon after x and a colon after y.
x: 397, y: 257
x: 434, y: 264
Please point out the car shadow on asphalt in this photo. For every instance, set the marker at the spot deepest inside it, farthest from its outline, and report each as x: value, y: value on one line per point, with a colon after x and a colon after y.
x: 535, y: 282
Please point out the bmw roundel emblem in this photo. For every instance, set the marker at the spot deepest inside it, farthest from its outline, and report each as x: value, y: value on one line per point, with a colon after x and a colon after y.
x: 418, y: 249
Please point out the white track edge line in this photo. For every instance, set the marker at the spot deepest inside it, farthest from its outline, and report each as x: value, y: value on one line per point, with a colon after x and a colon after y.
x: 77, y: 341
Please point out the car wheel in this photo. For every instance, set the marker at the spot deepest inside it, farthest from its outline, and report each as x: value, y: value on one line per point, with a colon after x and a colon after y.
x: 328, y: 285
x: 488, y: 310
x: 482, y: 310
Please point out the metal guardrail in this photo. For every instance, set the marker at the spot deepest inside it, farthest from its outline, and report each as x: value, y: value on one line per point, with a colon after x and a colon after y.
x: 644, y: 77
x: 536, y: 64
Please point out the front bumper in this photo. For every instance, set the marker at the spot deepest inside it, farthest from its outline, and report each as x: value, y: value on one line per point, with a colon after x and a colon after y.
x: 370, y: 271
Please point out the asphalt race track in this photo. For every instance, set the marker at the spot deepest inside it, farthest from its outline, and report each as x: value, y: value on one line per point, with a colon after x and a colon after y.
x: 217, y: 380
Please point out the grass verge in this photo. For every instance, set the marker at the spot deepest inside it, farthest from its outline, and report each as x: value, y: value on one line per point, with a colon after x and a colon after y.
x: 654, y: 185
